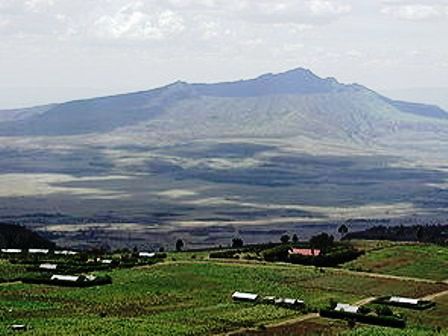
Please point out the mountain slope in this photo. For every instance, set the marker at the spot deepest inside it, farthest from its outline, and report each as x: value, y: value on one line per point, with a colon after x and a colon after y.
x: 13, y: 236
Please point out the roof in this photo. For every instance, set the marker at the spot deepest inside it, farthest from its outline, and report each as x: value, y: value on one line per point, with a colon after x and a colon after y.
x: 71, y: 278
x: 244, y: 296
x: 399, y: 299
x: 48, y: 266
x: 346, y: 308
x: 11, y: 251
x: 43, y: 251
x: 106, y: 261
x: 288, y: 301
x: 65, y: 252
x: 147, y: 254
x: 304, y: 252
x: 90, y: 277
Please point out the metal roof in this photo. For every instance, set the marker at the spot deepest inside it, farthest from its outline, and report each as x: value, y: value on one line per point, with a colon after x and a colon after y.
x: 346, y: 308
x: 399, y: 299
x: 244, y: 296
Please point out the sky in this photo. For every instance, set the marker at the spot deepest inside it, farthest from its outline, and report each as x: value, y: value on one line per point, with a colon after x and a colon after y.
x: 57, y: 50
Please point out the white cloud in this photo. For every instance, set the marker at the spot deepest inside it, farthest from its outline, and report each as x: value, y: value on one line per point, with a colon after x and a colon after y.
x: 415, y: 11
x: 38, y: 5
x: 135, y: 21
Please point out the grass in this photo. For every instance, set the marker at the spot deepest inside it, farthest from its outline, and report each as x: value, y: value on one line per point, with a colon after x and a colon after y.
x: 10, y: 271
x: 412, y: 260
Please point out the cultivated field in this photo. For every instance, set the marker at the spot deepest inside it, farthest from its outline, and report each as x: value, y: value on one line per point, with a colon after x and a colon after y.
x: 190, y: 295
x: 413, y: 260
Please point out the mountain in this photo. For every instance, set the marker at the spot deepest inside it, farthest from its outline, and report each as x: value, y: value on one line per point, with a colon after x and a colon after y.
x: 13, y: 236
x: 207, y: 162
x: 299, y: 93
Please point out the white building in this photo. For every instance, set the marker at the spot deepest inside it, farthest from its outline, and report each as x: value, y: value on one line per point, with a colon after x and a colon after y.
x: 398, y: 299
x: 343, y: 307
x: 65, y: 252
x: 239, y: 296
x: 147, y: 254
x: 11, y: 251
x: 70, y: 278
x: 48, y: 266
x: 38, y: 251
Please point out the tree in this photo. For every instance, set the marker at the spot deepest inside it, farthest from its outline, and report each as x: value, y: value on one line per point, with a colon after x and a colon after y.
x: 343, y: 229
x: 179, y: 245
x: 384, y: 311
x: 419, y: 233
x: 237, y: 243
x: 295, y: 239
x: 285, y: 239
x: 322, y: 241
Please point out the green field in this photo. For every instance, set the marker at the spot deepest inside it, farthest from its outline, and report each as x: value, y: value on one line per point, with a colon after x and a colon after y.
x: 10, y: 271
x: 412, y: 260
x: 189, y: 294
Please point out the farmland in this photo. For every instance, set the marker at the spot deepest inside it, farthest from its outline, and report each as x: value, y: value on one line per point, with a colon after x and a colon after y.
x: 189, y: 294
x: 413, y: 260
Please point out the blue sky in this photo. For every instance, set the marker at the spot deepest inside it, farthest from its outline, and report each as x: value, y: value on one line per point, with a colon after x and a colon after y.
x: 55, y: 50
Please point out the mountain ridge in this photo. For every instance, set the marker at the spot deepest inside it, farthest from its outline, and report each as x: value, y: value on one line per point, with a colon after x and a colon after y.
x: 106, y: 114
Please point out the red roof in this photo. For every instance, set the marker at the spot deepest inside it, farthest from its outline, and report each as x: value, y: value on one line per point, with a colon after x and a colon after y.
x: 304, y: 252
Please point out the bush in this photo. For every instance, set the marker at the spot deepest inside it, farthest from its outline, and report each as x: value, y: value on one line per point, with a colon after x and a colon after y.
x: 279, y: 253
x: 227, y: 254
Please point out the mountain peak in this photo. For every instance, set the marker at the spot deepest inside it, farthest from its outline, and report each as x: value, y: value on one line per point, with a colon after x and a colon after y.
x: 295, y: 81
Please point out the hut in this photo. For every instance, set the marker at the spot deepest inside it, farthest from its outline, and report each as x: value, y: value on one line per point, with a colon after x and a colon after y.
x: 48, y: 267
x: 147, y: 254
x: 38, y: 251
x: 240, y: 296
x: 11, y: 251
x: 344, y: 307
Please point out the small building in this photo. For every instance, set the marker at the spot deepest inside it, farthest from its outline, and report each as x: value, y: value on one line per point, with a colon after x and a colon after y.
x: 49, y: 267
x: 287, y: 302
x: 403, y: 300
x: 38, y: 251
x: 304, y: 252
x: 239, y: 296
x: 343, y: 307
x: 65, y: 252
x: 65, y: 278
x: 11, y: 251
x: 146, y: 254
x: 18, y: 327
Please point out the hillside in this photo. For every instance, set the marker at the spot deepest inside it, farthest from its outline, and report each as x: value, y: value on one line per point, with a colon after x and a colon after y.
x: 12, y: 236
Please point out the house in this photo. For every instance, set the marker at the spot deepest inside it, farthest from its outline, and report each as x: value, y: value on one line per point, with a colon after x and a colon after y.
x: 343, y: 307
x: 38, y: 251
x: 289, y: 302
x: 18, y: 327
x: 65, y: 252
x: 239, y: 296
x: 65, y: 278
x: 106, y: 261
x: 11, y: 251
x: 304, y: 252
x: 147, y: 254
x: 48, y: 266
x: 408, y: 301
